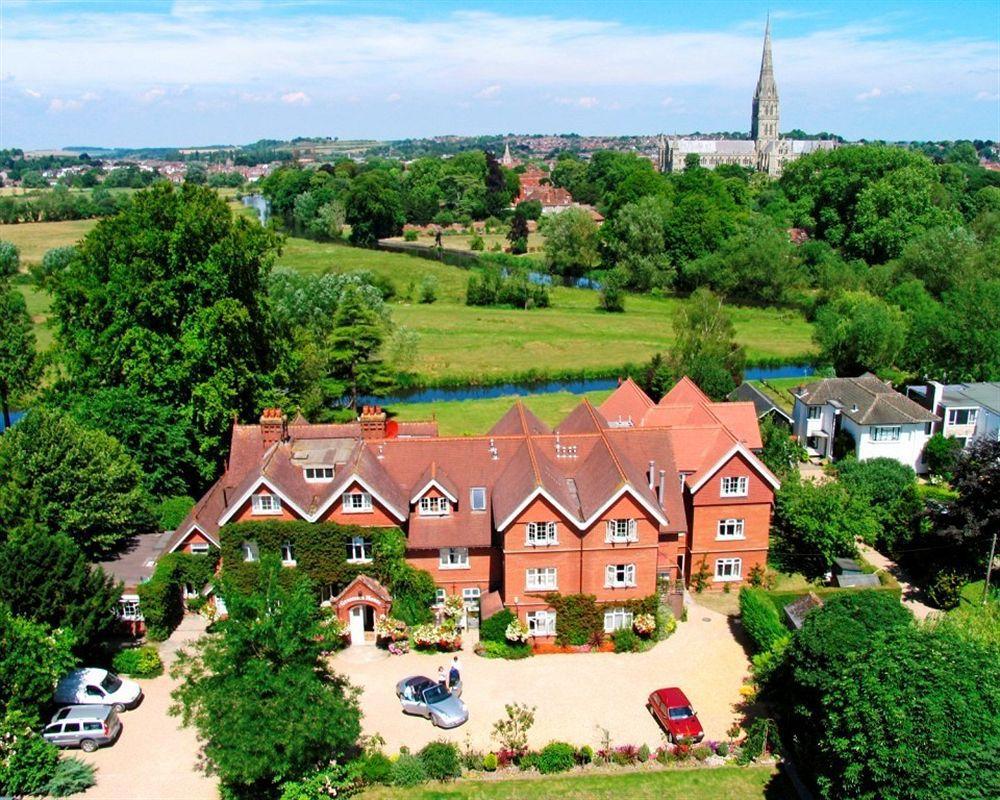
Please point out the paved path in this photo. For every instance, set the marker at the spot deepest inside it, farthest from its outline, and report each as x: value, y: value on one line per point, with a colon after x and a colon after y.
x: 911, y: 595
x: 576, y: 694
x: 154, y: 759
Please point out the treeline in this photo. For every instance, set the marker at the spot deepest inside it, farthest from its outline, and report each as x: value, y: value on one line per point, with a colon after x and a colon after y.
x: 60, y: 204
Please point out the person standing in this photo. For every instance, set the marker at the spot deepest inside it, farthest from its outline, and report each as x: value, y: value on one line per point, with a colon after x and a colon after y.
x: 455, y: 673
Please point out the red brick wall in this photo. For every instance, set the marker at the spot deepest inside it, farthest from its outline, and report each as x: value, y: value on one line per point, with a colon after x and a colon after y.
x: 378, y: 517
x: 481, y: 568
x: 195, y: 537
x: 245, y: 514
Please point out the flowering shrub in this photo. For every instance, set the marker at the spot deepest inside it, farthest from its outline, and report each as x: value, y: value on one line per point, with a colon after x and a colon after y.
x: 391, y: 629
x: 453, y: 607
x: 399, y: 648
x: 516, y: 631
x: 644, y: 624
x: 436, y: 637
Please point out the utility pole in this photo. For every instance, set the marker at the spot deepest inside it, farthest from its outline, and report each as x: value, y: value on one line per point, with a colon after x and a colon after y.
x: 989, y: 570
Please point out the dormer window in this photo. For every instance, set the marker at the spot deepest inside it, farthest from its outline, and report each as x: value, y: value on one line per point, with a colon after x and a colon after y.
x: 541, y: 533
x: 477, y: 498
x: 266, y: 503
x: 621, y: 530
x: 433, y: 506
x: 319, y: 474
x: 357, y: 502
x: 735, y: 486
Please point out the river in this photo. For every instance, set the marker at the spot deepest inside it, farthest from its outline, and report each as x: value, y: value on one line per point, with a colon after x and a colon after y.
x: 259, y: 204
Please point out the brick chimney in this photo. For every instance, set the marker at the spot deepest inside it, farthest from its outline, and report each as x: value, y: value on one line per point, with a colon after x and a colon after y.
x: 273, y: 426
x: 372, y: 421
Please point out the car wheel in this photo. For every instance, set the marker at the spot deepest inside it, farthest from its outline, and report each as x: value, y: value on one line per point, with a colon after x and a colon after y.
x: 88, y: 745
x: 434, y: 721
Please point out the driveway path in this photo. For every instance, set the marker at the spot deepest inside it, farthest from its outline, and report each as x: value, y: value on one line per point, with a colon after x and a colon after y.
x: 576, y: 694
x: 154, y: 759
x: 910, y: 594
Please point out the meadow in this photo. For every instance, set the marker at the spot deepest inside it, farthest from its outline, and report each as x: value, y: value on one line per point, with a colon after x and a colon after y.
x: 33, y: 239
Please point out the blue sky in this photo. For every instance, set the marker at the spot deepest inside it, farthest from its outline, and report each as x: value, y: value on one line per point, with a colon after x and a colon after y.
x: 181, y: 73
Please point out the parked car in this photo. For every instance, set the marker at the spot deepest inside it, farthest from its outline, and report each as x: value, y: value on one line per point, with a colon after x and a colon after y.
x: 426, y: 698
x: 86, y: 727
x: 98, y: 687
x: 673, y: 711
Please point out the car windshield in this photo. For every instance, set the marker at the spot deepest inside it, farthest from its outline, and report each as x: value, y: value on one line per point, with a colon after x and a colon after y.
x: 111, y: 683
x: 435, y: 694
x: 681, y: 712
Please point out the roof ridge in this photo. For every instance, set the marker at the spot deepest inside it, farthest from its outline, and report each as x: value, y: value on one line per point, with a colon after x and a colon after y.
x: 531, y: 447
x: 604, y: 440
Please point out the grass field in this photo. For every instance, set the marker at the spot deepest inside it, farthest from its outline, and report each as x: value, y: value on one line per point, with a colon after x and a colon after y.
x: 38, y: 307
x: 456, y: 241
x: 732, y: 783
x: 780, y: 390
x: 468, y: 417
x: 33, y: 239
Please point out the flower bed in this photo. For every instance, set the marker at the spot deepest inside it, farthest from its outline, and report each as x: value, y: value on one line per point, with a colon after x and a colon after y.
x: 545, y: 648
x: 436, y: 638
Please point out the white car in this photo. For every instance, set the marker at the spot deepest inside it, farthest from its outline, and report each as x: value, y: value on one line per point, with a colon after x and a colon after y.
x: 98, y: 687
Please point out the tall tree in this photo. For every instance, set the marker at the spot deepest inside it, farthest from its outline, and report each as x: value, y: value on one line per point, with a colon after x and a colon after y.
x: 32, y: 660
x: 168, y: 298
x: 858, y: 332
x: 374, y: 208
x: 266, y: 663
x: 571, y: 243
x: 356, y: 345
x: 18, y: 366
x: 71, y: 480
x: 10, y: 259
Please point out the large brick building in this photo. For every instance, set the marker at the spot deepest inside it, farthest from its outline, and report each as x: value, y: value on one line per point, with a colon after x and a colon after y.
x: 609, y: 501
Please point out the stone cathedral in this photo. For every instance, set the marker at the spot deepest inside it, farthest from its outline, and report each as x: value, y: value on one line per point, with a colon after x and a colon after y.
x: 765, y: 151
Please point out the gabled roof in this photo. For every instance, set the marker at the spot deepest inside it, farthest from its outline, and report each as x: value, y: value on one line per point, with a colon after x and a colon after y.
x: 866, y: 401
x: 747, y: 392
x: 435, y: 477
x: 626, y: 405
x: 685, y: 392
x: 364, y: 583
x: 519, y: 421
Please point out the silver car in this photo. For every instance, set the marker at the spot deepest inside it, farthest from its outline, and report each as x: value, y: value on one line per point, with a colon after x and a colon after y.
x: 426, y: 698
x: 86, y: 727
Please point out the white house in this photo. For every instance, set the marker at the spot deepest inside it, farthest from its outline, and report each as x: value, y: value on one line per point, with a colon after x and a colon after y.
x: 968, y: 411
x: 881, y: 421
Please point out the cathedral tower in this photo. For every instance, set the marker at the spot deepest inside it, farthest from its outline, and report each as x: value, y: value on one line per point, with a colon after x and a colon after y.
x: 764, y: 121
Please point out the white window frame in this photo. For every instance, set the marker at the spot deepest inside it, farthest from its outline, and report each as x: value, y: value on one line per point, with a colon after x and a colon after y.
x: 972, y: 416
x: 327, y: 593
x: 617, y: 618
x: 199, y: 548
x: 886, y: 433
x: 357, y: 502
x: 741, y: 487
x: 541, y: 579
x: 264, y: 503
x: 433, y: 506
x: 541, y: 534
x: 288, y: 554
x: 621, y: 531
x: 541, y: 623
x: 480, y: 492
x: 814, y: 412
x: 439, y: 596
x: 318, y: 474
x: 129, y: 608
x: 359, y: 544
x: 453, y: 558
x: 471, y: 595
x: 730, y: 529
x: 728, y: 569
x: 612, y: 579
x: 251, y: 553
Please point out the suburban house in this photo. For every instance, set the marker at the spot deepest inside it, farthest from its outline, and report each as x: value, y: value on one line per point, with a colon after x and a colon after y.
x: 609, y: 502
x: 967, y: 411
x: 746, y: 392
x: 881, y: 422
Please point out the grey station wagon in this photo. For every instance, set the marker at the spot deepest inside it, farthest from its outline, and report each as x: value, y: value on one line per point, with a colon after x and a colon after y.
x: 86, y: 727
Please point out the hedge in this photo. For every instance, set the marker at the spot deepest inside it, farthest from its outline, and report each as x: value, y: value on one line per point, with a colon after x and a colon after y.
x: 760, y: 619
x: 160, y: 598
x: 780, y: 599
x: 494, y: 628
x: 321, y: 553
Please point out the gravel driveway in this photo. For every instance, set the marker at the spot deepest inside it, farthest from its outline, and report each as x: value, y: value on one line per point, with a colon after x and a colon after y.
x: 576, y: 694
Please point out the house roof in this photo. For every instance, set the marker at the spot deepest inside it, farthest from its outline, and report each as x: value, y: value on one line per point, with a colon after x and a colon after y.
x: 866, y: 400
x: 626, y: 405
x: 984, y: 395
x: 747, y: 392
x: 137, y: 561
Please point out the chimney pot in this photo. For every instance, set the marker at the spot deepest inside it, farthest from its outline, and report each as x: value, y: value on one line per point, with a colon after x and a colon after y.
x: 662, y: 481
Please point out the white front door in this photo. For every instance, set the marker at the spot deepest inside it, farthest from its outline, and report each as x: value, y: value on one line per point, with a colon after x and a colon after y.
x: 358, y: 625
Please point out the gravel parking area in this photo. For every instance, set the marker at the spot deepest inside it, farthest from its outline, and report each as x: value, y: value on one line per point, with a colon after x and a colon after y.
x: 576, y: 695
x: 154, y: 758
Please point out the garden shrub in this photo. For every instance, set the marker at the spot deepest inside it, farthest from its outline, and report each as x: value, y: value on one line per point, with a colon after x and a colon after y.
x: 139, y: 662
x: 528, y: 760
x: 722, y: 749
x: 556, y: 757
x: 490, y: 762
x: 626, y: 640
x: 760, y: 619
x: 27, y: 762
x: 643, y: 754
x: 408, y: 771
x: 760, y: 737
x: 441, y: 760
x: 171, y: 511
x: 161, y: 601
x: 332, y: 781
x: 585, y: 754
x: 504, y: 650
x: 494, y: 629
x: 71, y: 777
x: 375, y: 768
x: 409, y: 236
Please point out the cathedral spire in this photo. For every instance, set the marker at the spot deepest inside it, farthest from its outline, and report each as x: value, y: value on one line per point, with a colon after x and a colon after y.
x: 764, y: 121
x: 765, y: 83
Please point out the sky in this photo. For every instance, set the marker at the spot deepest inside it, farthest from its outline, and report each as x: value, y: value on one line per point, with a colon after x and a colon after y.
x: 199, y: 72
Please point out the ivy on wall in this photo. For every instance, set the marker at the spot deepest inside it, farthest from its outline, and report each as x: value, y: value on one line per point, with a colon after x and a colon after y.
x: 160, y: 598
x: 321, y: 552
x: 580, y: 618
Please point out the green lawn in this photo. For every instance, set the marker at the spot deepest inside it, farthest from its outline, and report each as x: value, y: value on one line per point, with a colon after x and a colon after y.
x: 731, y: 783
x: 33, y: 239
x: 780, y: 390
x: 38, y: 303
x: 469, y: 417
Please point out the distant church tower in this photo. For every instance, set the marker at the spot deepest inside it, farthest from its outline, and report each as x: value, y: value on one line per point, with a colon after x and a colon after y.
x: 764, y: 121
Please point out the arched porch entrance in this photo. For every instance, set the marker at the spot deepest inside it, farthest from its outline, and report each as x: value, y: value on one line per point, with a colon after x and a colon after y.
x: 362, y: 601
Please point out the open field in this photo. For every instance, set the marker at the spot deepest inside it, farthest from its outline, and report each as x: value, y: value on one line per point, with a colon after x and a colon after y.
x: 33, y: 239
x: 470, y: 417
x: 733, y: 783
x: 462, y: 241
x: 38, y: 303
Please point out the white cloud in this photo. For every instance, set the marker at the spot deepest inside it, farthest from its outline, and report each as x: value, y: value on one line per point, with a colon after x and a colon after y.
x: 488, y: 92
x: 871, y: 94
x: 152, y: 95
x: 393, y: 97
x: 57, y: 104
x: 296, y: 99
x: 32, y: 93
x: 580, y: 102
x: 986, y: 97
x: 667, y: 101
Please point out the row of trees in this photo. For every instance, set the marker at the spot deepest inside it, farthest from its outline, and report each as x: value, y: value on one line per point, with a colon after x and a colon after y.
x: 58, y: 205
